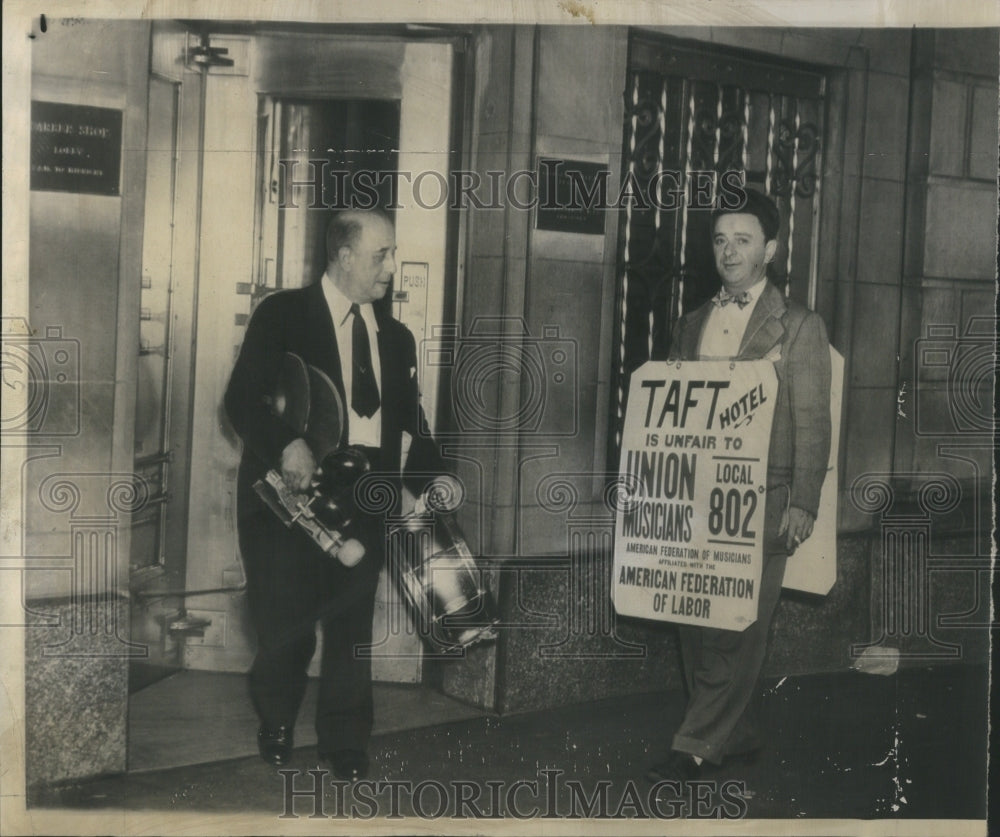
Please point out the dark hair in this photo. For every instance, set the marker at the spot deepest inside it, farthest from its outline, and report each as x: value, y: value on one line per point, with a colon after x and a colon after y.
x: 758, y: 205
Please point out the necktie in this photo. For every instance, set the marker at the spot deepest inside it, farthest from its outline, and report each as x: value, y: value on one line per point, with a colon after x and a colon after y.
x: 364, y: 390
x: 723, y: 298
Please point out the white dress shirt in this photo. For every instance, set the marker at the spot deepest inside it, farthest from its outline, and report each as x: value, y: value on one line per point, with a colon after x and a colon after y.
x: 361, y: 430
x: 725, y: 326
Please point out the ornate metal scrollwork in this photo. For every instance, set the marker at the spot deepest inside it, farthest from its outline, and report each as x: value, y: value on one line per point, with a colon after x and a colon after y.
x: 703, y: 138
x: 643, y: 119
x: 730, y: 141
x: 787, y: 170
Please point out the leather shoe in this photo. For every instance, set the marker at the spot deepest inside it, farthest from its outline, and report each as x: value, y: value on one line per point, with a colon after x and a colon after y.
x: 348, y: 765
x: 676, y: 767
x: 275, y: 745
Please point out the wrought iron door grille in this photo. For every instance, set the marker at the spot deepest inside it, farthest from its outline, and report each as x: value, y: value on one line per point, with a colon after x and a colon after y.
x: 695, y: 117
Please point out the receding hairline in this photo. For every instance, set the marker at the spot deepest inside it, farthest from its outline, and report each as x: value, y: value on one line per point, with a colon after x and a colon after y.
x: 361, y: 216
x: 347, y: 226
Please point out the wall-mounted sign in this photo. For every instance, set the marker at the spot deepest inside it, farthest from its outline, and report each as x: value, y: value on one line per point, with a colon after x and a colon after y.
x: 412, y: 281
x: 572, y: 196
x: 75, y: 148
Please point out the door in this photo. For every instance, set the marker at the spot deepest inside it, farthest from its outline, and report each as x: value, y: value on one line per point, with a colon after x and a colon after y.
x: 692, y: 115
x: 321, y: 155
x: 352, y: 106
x: 317, y: 156
x: 162, y: 429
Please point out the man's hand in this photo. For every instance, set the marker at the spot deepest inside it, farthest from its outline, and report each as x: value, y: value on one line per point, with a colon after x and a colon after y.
x: 297, y: 465
x: 798, y: 525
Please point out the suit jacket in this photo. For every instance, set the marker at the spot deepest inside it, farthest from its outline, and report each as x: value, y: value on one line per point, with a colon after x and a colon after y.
x: 800, y: 433
x: 299, y: 321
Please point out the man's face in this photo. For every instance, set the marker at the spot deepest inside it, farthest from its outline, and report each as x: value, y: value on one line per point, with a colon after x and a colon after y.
x: 365, y: 269
x: 741, y: 251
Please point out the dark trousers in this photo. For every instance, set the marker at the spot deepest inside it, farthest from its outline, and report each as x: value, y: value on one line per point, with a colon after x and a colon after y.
x: 291, y: 586
x: 722, y: 672
x: 722, y: 668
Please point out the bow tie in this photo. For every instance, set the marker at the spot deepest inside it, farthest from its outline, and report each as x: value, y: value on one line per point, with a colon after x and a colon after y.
x: 723, y: 298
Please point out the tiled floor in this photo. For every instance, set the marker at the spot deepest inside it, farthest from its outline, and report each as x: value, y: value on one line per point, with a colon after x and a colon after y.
x: 847, y: 745
x: 193, y: 717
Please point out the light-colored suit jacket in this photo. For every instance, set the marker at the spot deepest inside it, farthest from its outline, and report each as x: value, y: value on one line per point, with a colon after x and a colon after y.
x: 795, y: 338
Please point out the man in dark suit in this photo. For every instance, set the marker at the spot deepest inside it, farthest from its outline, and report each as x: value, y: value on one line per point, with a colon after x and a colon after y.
x: 371, y: 359
x: 751, y: 319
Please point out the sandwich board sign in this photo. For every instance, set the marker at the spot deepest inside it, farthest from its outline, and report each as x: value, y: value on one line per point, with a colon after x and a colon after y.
x: 689, y: 531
